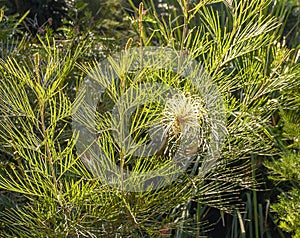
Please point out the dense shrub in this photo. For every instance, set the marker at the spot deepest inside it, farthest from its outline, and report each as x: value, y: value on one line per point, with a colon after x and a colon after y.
x: 50, y: 189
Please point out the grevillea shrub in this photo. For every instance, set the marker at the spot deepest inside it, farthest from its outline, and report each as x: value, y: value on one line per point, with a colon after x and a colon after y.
x: 50, y: 187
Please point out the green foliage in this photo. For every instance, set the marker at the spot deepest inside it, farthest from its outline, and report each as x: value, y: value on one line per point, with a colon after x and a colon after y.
x: 102, y: 23
x: 288, y: 210
x: 49, y: 189
x: 10, y: 32
x: 59, y: 196
x: 286, y: 171
x: 239, y: 43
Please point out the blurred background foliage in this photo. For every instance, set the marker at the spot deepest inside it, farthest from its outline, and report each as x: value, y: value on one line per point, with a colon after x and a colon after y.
x: 103, y: 27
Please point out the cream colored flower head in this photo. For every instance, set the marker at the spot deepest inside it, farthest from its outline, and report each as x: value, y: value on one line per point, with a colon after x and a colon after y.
x: 183, y: 113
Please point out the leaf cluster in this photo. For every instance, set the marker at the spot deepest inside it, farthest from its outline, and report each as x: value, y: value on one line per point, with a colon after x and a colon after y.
x: 52, y: 189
